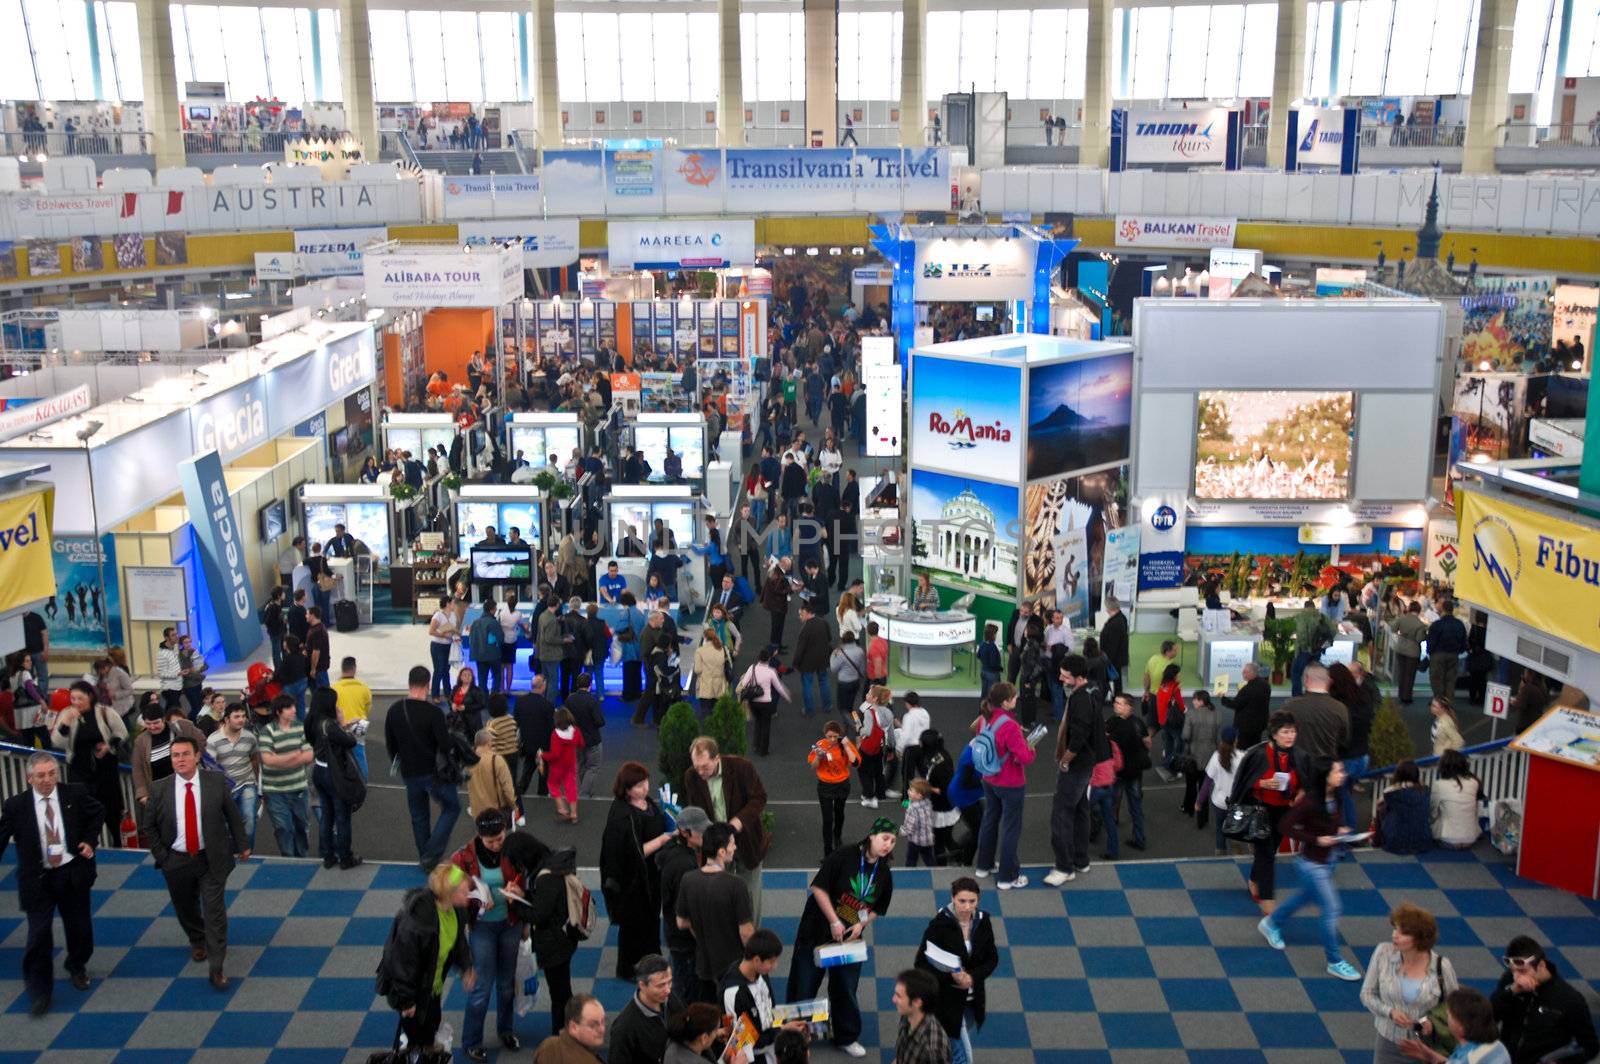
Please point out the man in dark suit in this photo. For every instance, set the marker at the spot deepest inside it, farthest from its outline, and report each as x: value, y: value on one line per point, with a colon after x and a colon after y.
x: 56, y: 826
x: 342, y: 545
x: 727, y: 596
x: 194, y: 831
x: 1250, y: 706
x: 1114, y: 642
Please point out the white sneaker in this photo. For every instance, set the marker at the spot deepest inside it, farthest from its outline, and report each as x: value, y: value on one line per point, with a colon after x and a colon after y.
x: 866, y: 803
x: 891, y: 793
x: 1056, y: 877
x: 1020, y: 881
x: 982, y: 873
x: 871, y: 803
x: 854, y: 1049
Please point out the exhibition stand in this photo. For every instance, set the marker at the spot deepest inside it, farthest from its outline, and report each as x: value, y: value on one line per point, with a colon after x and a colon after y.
x: 503, y: 507
x: 927, y: 641
x: 535, y: 437
x: 1018, y: 458
x: 631, y: 513
x: 1270, y: 475
x: 1560, y: 841
x: 685, y: 434
x: 365, y: 510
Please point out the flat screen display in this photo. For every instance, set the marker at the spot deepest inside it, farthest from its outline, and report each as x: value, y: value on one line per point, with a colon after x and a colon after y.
x: 641, y: 516
x: 368, y: 522
x: 525, y: 518
x: 417, y: 440
x: 1273, y: 445
x: 320, y: 519
x: 475, y: 517
x: 274, y: 519
x: 538, y: 443
x: 502, y: 565
x: 688, y: 441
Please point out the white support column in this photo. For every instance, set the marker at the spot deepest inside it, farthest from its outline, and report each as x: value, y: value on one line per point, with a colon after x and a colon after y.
x: 546, y: 95
x: 1095, y: 147
x: 913, y: 74
x: 1491, y: 73
x: 1288, y: 76
x: 162, y: 111
x: 822, y: 71
x: 730, y: 85
x: 355, y: 73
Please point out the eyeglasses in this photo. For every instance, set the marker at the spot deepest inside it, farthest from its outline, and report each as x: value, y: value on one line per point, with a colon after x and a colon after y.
x: 1519, y: 963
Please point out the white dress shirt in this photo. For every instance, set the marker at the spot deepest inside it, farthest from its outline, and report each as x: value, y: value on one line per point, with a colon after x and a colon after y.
x: 40, y: 803
x: 1054, y: 634
x: 180, y: 793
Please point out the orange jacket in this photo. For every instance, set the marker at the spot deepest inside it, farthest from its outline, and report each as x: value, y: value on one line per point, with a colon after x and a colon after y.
x: 832, y: 759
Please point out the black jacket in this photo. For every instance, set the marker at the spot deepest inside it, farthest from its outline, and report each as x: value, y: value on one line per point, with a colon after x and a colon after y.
x: 553, y: 942
x: 1114, y: 642
x: 630, y: 880
x: 675, y: 860
x: 82, y: 817
x: 944, y: 932
x: 411, y: 953
x: 1251, y: 708
x: 470, y: 719
x: 637, y: 1037
x: 1253, y: 766
x: 1537, y: 1024
x: 812, y: 646
x: 535, y: 720
x: 414, y: 731
x: 586, y: 714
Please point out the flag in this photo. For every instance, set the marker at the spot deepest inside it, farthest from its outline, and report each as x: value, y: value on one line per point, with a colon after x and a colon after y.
x: 130, y: 204
x: 174, y: 201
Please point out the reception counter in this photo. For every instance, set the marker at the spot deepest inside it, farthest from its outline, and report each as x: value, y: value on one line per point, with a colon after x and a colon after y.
x: 1225, y: 651
x: 926, y: 639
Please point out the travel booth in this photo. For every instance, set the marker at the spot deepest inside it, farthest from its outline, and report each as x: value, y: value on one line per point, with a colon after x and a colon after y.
x: 685, y: 434
x: 503, y: 507
x: 174, y: 495
x: 534, y: 437
x: 1279, y: 444
x: 1018, y: 467
x: 418, y: 432
x: 633, y: 510
x: 1535, y: 548
x: 1007, y: 270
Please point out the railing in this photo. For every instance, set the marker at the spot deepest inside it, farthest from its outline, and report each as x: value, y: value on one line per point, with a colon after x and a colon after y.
x: 14, y: 780
x: 90, y: 142
x: 1413, y: 136
x: 223, y: 141
x: 1502, y: 772
x: 1571, y: 135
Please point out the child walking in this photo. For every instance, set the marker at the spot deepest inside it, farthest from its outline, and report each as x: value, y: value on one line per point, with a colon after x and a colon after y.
x: 560, y: 765
x: 917, y: 828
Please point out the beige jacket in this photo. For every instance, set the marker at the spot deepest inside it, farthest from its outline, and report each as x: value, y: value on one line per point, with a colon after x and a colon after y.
x: 112, y: 730
x: 710, y: 680
x: 489, y: 784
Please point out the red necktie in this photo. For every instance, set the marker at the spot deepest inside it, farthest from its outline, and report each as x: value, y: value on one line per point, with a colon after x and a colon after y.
x: 191, y: 825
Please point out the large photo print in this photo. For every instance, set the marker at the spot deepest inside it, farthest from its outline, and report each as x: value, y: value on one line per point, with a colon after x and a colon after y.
x: 1273, y: 445
x: 1080, y: 414
x: 966, y: 531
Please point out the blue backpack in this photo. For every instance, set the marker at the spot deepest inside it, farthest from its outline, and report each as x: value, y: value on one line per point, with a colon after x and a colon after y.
x: 986, y: 756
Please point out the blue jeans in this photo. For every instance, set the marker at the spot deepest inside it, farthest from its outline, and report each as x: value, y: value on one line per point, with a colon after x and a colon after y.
x: 333, y: 839
x: 248, y: 800
x: 1316, y: 885
x: 291, y: 817
x: 276, y: 644
x: 819, y: 680
x: 1002, y: 828
x: 360, y: 753
x: 961, y: 1048
x: 440, y: 653
x: 805, y: 978
x: 431, y: 845
x: 1133, y: 791
x: 494, y: 957
x: 1353, y: 768
x: 297, y: 691
x: 683, y: 978
x: 1103, y: 800
x: 324, y: 602
x: 1297, y: 668
x: 1173, y: 737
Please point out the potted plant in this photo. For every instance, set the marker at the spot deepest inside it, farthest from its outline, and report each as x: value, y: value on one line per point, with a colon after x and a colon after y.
x: 451, y: 482
x: 1279, y: 636
x: 544, y: 480
x: 678, y: 729
x: 400, y: 491
x: 561, y: 490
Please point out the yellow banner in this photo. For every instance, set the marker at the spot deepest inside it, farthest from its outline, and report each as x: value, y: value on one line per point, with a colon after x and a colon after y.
x: 27, y: 571
x: 1541, y: 570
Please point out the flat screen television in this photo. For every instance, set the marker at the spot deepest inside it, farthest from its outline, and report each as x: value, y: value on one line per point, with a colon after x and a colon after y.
x: 502, y: 565
x: 274, y: 519
x: 1273, y: 445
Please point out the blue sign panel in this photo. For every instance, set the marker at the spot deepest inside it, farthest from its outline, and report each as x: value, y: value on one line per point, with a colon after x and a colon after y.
x: 205, y: 492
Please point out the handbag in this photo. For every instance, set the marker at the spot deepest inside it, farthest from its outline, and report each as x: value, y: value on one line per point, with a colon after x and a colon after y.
x: 326, y: 582
x: 752, y: 691
x: 1246, y: 822
x: 1441, y: 1039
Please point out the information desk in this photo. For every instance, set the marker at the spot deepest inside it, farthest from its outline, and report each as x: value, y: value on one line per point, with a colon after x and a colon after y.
x: 1225, y: 652
x: 927, y: 639
x: 1560, y: 844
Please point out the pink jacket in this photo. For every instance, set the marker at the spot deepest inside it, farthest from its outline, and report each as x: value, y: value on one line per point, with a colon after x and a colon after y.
x: 1014, y: 750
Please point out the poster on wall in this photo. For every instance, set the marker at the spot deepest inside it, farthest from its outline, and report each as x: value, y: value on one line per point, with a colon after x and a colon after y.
x: 1120, y: 575
x: 44, y: 258
x: 1161, y: 534
x: 966, y: 532
x: 88, y: 254
x: 573, y: 182
x: 8, y: 260
x: 128, y: 248
x: 975, y: 271
x: 1093, y: 504
x: 1490, y: 409
x: 80, y: 610
x: 1507, y: 322
x: 1572, y: 329
x: 1444, y: 550
x: 1072, y: 576
x: 1174, y: 231
x: 1273, y: 560
x: 1080, y: 414
x: 172, y: 249
x: 1273, y: 445
x: 965, y: 416
x: 1194, y: 137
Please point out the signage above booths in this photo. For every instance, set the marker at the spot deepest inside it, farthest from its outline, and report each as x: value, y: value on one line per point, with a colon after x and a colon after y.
x: 402, y: 276
x: 1175, y: 231
x: 329, y: 252
x: 673, y: 245
x: 1194, y: 137
x: 975, y: 270
x: 26, y: 572
x: 545, y: 242
x: 222, y: 553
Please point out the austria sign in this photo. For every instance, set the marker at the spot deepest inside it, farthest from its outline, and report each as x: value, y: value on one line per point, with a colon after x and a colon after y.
x: 1198, y: 136
x: 1175, y: 231
x: 489, y: 276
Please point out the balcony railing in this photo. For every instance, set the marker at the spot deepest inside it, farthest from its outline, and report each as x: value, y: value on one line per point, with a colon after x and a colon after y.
x: 1378, y: 136
x: 1570, y: 135
x: 93, y: 142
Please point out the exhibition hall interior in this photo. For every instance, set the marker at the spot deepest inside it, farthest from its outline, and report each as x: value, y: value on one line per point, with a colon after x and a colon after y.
x: 757, y: 531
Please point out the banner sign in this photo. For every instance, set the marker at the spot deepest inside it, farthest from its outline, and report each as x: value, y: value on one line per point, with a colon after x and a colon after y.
x: 974, y: 271
x: 675, y: 245
x: 233, y: 422
x: 1161, y: 542
x: 477, y: 197
x: 222, y: 553
x: 65, y: 206
x: 1444, y: 550
x: 1537, y: 569
x: 545, y: 242
x: 1196, y: 137
x: 80, y: 610
x: 1174, y: 231
x: 43, y: 411
x: 26, y: 573
x: 966, y: 417
x: 277, y: 266
x: 327, y: 252
x: 443, y: 277
x: 318, y: 380
x: 1321, y: 136
x: 1120, y: 571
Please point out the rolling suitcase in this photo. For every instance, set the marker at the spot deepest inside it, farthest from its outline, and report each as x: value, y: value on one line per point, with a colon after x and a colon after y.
x: 346, y: 618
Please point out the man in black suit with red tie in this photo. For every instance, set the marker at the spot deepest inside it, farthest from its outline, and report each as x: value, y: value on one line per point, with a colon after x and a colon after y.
x: 195, y: 829
x: 56, y: 826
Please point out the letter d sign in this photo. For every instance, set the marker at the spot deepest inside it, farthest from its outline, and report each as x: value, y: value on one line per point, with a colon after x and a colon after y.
x: 1497, y: 700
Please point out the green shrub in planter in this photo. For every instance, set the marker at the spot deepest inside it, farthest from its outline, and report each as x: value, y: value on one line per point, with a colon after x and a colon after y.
x: 726, y: 724
x: 678, y: 729
x: 1390, y: 741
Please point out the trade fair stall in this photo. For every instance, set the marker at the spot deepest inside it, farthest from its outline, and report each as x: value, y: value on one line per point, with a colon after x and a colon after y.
x: 631, y: 514
x: 1007, y: 270
x: 535, y: 437
x: 367, y: 512
x: 1270, y: 478
x: 683, y: 434
x: 1018, y: 458
x: 417, y: 433
x: 112, y: 463
x: 506, y: 508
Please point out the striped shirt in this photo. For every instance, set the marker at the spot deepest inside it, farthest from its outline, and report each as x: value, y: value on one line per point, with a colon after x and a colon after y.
x: 234, y: 755
x: 276, y: 739
x: 504, y: 728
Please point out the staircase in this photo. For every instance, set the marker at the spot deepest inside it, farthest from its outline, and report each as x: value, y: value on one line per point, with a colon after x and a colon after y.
x: 459, y: 163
